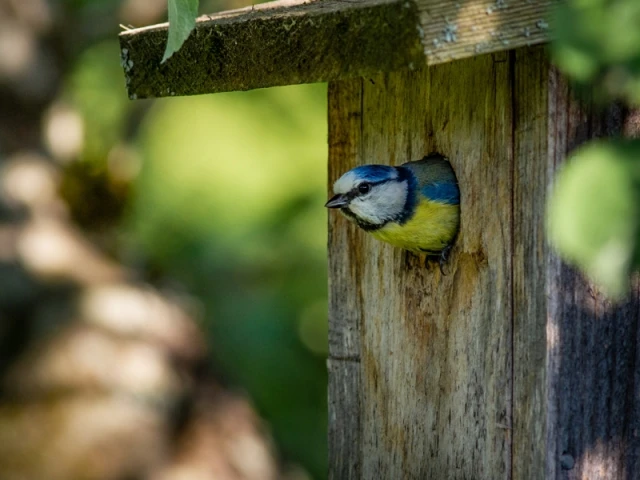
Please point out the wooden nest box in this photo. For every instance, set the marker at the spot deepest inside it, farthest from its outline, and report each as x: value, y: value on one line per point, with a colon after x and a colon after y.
x: 511, y: 366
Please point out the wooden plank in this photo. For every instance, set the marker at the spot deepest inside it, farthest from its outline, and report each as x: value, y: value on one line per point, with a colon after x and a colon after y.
x: 593, y: 377
x: 436, y: 354
x: 594, y: 399
x: 512, y: 366
x: 531, y: 178
x: 345, y: 305
x: 455, y: 30
x: 345, y: 454
x: 297, y: 41
x: 345, y: 308
x: 274, y: 44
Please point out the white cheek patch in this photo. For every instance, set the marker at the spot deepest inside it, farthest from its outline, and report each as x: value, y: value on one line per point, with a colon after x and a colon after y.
x: 385, y: 202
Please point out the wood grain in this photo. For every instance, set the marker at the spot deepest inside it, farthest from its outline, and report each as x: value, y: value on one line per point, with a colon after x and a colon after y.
x: 511, y: 366
x: 455, y: 30
x: 345, y: 454
x: 345, y: 306
x: 593, y: 393
x: 280, y: 43
x: 531, y: 178
x: 435, y: 356
x: 299, y: 41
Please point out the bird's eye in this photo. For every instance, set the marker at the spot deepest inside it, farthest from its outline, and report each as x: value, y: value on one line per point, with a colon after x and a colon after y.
x: 364, y: 188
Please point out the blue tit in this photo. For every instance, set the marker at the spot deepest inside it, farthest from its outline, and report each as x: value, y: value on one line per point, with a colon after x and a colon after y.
x: 415, y: 206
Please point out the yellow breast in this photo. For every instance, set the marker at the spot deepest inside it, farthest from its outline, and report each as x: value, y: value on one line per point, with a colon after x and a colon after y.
x: 431, y: 228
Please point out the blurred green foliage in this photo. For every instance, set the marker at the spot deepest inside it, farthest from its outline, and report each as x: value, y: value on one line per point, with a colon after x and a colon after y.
x: 597, y: 42
x: 95, y: 87
x: 227, y: 203
x: 604, y: 177
x: 593, y: 214
x: 229, y: 200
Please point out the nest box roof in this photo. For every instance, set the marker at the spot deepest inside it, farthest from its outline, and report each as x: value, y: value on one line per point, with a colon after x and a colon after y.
x: 293, y: 41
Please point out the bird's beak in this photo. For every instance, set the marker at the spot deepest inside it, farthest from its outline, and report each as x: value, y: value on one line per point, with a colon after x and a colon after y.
x: 337, y: 201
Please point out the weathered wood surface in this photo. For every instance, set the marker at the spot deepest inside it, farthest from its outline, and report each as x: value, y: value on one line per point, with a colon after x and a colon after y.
x: 510, y: 366
x: 435, y: 379
x: 345, y: 307
x: 530, y: 72
x: 299, y: 41
x: 593, y: 363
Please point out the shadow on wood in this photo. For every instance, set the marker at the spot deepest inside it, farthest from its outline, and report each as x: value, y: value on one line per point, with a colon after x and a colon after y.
x: 447, y: 377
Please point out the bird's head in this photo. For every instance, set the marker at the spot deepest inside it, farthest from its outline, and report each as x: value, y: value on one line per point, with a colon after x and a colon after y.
x: 372, y: 195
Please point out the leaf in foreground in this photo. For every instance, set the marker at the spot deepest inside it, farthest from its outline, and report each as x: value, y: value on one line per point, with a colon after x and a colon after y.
x: 182, y: 20
x: 593, y: 214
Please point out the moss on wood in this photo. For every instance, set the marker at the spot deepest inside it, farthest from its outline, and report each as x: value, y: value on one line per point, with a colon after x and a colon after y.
x: 295, y: 41
x: 267, y: 46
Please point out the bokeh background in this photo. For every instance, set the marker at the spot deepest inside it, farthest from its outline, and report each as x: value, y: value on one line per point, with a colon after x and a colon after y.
x: 163, y: 287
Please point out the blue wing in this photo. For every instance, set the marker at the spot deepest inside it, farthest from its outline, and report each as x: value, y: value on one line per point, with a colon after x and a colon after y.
x: 443, y: 192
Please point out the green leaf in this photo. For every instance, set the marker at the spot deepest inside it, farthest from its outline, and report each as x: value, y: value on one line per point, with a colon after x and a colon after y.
x: 182, y: 20
x: 598, y: 42
x: 594, y: 212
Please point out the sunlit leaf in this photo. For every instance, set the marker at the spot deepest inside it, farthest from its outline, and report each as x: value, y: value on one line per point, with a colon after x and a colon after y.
x: 594, y: 212
x: 182, y: 20
x: 598, y: 42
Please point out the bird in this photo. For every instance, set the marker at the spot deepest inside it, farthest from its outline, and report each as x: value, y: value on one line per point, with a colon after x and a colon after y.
x: 414, y: 206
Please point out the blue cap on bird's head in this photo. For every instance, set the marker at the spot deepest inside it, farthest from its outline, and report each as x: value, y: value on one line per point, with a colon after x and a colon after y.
x: 359, y: 181
x: 372, y: 173
x: 370, y: 194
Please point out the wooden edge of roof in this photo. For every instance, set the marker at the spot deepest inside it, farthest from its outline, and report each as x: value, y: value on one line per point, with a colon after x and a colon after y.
x: 292, y: 41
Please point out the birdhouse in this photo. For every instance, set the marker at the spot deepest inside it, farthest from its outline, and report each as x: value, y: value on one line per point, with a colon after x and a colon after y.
x: 507, y: 365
